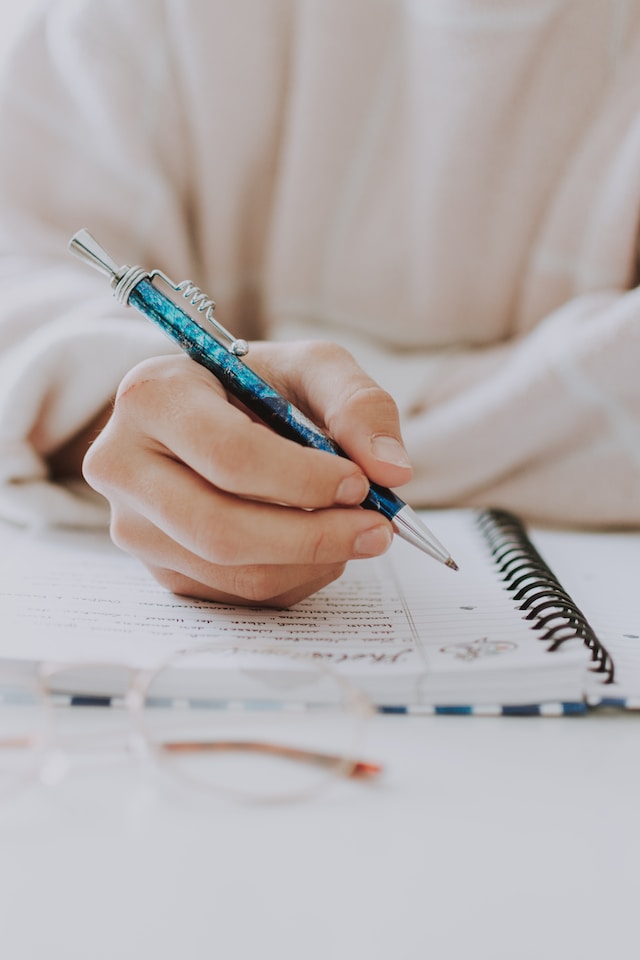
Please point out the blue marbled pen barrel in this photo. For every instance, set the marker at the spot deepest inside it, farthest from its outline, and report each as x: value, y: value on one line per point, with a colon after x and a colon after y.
x: 133, y: 286
x: 245, y: 384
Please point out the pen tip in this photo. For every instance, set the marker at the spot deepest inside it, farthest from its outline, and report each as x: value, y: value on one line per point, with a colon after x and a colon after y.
x: 450, y: 562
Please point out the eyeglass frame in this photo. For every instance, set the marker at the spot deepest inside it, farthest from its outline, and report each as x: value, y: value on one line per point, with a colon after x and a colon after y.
x: 134, y: 699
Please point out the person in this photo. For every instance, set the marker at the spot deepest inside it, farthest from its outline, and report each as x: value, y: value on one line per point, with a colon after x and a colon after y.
x: 442, y: 194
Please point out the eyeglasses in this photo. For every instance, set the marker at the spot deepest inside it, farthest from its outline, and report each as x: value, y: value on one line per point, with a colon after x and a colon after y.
x: 258, y: 724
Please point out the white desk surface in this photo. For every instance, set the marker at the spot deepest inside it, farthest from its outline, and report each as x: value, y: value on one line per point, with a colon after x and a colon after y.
x: 489, y: 837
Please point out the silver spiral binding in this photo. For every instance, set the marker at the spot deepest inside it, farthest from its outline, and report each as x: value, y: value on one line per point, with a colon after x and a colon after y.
x: 537, y: 590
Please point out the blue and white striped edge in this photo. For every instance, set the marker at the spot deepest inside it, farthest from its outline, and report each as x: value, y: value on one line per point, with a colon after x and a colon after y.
x: 494, y: 710
x: 559, y: 709
x: 618, y: 703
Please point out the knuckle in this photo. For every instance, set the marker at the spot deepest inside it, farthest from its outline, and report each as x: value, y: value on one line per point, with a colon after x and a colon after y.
x: 364, y: 395
x: 227, y: 457
x: 255, y: 584
x: 318, y: 351
x: 216, y: 545
x: 120, y: 530
x: 144, y: 373
x: 304, y: 590
x: 91, y: 465
x: 173, y: 581
x: 313, y: 482
x: 164, y: 383
x: 268, y: 586
x: 99, y: 464
x: 331, y: 573
x: 320, y: 543
x: 364, y: 402
x: 152, y: 369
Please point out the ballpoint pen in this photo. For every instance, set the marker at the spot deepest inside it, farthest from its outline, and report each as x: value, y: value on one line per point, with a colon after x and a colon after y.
x: 217, y: 350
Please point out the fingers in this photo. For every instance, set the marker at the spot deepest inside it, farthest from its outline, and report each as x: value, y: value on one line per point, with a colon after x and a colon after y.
x: 186, y: 587
x: 185, y: 573
x: 190, y: 418
x: 226, y: 530
x: 326, y: 383
x: 220, y: 507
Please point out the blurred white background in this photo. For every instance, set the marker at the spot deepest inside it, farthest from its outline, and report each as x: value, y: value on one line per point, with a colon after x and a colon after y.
x: 11, y: 18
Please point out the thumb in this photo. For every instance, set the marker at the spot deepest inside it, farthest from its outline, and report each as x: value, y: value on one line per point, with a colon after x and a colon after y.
x: 367, y: 427
x: 324, y: 380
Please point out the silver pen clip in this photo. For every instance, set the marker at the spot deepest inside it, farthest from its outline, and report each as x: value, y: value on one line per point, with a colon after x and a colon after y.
x: 123, y: 280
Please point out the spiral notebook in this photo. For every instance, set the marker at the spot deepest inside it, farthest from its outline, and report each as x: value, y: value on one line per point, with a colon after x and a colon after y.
x: 538, y: 622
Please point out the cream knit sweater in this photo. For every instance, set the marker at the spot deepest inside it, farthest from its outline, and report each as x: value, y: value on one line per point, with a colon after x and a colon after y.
x: 449, y: 187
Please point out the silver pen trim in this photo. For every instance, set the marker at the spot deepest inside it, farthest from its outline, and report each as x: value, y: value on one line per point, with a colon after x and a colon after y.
x: 408, y: 525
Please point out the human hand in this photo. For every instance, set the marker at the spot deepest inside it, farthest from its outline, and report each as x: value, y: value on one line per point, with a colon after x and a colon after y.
x: 217, y: 505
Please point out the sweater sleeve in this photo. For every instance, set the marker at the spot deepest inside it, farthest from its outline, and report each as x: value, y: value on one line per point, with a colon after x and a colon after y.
x: 571, y: 386
x: 83, y: 103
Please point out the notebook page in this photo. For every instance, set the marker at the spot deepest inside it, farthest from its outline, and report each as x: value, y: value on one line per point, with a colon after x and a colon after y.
x: 406, y: 628
x: 600, y: 571
x: 474, y: 641
x: 71, y: 595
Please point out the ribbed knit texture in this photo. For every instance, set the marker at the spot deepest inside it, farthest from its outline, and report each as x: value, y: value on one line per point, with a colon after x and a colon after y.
x: 450, y: 187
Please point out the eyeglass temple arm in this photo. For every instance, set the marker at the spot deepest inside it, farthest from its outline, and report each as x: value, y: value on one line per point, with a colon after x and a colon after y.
x: 14, y: 743
x: 356, y: 768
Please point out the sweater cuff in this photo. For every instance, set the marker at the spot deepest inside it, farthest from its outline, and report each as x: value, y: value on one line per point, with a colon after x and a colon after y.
x: 51, y: 385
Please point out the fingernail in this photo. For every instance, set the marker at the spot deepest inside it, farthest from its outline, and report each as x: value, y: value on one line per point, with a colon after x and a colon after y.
x: 352, y: 490
x: 373, y: 542
x: 389, y: 450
